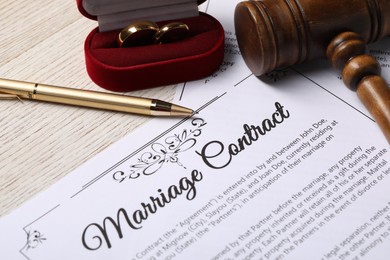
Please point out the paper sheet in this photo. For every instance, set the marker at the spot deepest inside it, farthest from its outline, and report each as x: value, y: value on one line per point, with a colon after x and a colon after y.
x: 249, y: 178
x: 279, y: 168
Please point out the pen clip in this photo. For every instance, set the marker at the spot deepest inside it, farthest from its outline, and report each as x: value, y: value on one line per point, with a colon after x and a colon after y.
x: 9, y: 96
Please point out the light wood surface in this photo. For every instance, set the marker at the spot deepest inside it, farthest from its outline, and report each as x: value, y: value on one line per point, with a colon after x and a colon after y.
x: 42, y: 41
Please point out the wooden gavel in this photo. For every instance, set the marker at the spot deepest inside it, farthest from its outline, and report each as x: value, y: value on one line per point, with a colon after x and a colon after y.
x: 274, y: 34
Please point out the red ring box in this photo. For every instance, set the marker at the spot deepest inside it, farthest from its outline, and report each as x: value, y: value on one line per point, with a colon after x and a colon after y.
x: 133, y: 68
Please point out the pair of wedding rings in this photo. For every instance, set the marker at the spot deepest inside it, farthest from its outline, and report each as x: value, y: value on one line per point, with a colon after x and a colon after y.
x: 147, y: 32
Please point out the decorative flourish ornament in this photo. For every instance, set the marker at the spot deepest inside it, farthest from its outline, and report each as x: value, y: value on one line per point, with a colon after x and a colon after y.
x: 161, y: 153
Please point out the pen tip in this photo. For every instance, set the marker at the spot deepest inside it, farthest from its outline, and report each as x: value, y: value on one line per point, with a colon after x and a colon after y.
x: 177, y: 110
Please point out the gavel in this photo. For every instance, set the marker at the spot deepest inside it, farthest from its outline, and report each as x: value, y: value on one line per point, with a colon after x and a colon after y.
x: 274, y: 34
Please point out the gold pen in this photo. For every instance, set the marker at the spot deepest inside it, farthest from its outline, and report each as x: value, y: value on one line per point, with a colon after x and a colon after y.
x: 92, y: 99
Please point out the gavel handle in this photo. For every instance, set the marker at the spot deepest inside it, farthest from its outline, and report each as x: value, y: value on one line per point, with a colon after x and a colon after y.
x: 374, y: 93
x: 361, y: 73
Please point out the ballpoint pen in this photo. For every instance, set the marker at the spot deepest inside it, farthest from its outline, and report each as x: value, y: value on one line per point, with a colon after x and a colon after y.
x: 92, y: 99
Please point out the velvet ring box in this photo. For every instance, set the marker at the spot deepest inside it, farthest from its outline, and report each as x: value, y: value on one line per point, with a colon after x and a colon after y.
x: 132, y: 68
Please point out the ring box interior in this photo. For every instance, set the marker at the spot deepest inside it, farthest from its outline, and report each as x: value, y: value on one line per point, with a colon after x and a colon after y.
x: 133, y: 68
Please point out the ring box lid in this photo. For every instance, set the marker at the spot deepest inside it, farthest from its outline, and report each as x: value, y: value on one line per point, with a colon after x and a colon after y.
x: 115, y: 14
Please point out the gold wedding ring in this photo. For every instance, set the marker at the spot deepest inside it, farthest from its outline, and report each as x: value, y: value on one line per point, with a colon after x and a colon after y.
x: 147, y: 32
x: 172, y: 32
x: 138, y: 33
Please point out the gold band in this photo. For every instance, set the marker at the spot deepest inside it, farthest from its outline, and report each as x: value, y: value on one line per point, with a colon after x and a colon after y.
x: 147, y: 32
x: 172, y: 32
x: 138, y: 33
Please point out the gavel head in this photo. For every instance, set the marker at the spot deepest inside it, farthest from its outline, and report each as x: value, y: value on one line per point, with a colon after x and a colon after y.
x: 274, y: 34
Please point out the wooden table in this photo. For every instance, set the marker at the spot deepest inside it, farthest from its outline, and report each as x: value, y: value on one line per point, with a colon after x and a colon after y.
x: 42, y: 41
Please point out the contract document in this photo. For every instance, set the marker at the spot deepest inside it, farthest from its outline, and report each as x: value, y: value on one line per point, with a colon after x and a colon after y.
x: 261, y: 172
x: 286, y: 166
